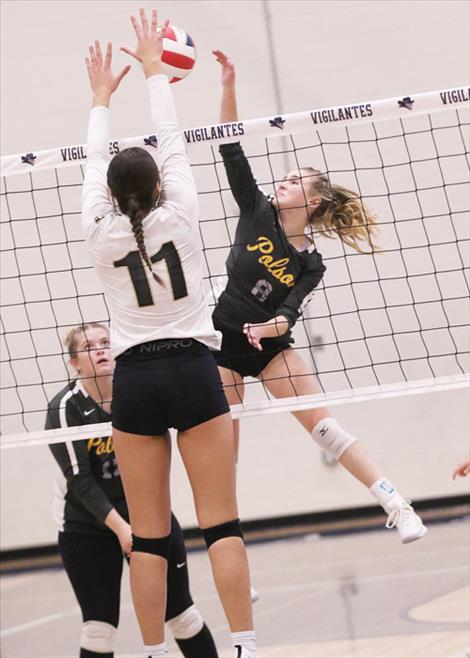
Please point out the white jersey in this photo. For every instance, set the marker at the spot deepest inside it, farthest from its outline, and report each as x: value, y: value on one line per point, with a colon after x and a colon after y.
x: 140, y: 308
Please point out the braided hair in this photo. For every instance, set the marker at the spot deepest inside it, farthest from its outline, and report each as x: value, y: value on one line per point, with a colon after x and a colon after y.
x: 133, y: 178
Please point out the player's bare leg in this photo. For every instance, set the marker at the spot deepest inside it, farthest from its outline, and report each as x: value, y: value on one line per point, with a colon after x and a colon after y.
x: 209, y: 460
x: 144, y: 464
x: 287, y: 376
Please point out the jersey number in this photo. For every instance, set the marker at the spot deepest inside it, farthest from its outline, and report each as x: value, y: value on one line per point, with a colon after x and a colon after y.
x: 139, y: 280
x: 109, y: 469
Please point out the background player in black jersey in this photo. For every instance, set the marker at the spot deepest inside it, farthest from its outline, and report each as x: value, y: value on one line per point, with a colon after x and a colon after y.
x: 272, y: 268
x: 91, y: 510
x: 140, y: 222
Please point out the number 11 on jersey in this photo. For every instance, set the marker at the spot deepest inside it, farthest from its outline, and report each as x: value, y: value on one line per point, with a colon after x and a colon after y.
x: 134, y: 264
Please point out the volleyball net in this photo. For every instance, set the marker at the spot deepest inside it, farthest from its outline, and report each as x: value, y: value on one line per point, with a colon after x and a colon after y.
x: 392, y: 322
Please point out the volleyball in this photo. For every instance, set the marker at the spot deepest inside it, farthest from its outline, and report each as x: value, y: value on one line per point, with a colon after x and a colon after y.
x: 179, y: 53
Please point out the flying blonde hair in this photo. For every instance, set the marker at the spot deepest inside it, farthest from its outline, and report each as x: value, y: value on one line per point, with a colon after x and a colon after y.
x: 342, y: 214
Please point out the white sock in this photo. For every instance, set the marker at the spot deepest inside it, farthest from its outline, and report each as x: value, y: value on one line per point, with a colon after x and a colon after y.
x: 247, y: 641
x: 156, y: 651
x: 386, y: 495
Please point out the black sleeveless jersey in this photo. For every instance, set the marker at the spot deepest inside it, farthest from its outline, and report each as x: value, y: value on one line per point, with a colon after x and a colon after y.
x: 89, y: 486
x: 267, y: 276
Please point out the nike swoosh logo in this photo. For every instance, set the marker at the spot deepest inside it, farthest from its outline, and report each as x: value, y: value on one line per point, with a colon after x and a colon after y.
x: 87, y: 413
x: 180, y: 564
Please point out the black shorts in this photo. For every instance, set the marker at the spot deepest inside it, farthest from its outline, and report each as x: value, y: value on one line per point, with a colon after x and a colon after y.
x: 166, y: 383
x: 237, y: 354
x: 94, y: 566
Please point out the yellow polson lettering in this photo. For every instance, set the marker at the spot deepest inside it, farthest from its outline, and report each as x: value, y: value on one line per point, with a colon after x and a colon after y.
x: 275, y: 267
x: 93, y: 443
x: 103, y: 445
x: 264, y: 245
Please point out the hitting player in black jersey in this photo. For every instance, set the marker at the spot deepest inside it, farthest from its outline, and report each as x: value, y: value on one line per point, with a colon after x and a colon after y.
x: 91, y: 510
x: 272, y: 269
x: 140, y: 222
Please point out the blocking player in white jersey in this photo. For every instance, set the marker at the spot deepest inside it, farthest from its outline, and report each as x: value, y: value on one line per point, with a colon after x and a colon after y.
x: 140, y: 222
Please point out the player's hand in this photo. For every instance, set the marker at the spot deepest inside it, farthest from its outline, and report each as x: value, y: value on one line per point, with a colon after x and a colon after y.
x: 273, y: 328
x: 103, y: 81
x: 462, y: 470
x: 125, y: 538
x: 149, y: 48
x: 228, y: 68
x: 255, y: 333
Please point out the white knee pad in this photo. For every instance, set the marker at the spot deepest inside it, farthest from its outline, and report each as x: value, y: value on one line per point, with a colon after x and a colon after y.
x: 98, y: 636
x: 188, y: 624
x: 331, y: 437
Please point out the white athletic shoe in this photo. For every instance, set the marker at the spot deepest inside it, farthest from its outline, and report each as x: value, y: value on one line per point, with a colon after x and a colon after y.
x: 407, y: 522
x: 254, y: 595
x: 241, y: 652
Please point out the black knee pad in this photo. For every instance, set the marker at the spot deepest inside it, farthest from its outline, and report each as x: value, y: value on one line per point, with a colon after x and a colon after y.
x: 159, y: 546
x: 228, y: 529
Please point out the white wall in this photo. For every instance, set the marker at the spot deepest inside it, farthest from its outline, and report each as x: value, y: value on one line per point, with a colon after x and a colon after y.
x: 327, y: 53
x: 417, y: 441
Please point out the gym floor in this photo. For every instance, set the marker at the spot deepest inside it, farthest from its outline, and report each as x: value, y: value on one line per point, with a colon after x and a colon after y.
x: 352, y: 595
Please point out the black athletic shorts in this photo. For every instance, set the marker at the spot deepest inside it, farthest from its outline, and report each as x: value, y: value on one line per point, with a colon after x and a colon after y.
x: 166, y: 383
x: 237, y: 354
x: 94, y: 566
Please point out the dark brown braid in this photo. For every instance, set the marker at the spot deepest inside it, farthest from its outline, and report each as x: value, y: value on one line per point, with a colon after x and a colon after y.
x: 136, y: 214
x: 133, y: 179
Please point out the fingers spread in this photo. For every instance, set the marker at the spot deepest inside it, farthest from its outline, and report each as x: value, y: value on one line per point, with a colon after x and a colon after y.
x: 136, y: 27
x: 130, y: 52
x: 109, y: 55
x: 144, y: 21
x: 92, y: 55
x: 99, y: 56
x: 165, y: 25
x: 124, y: 72
x: 154, y: 21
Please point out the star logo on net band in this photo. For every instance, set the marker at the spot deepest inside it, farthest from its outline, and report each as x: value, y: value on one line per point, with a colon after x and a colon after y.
x: 277, y: 122
x: 151, y: 140
x: 406, y: 102
x: 29, y: 158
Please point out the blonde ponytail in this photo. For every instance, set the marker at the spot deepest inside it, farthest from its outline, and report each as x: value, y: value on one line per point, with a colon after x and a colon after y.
x: 343, y: 214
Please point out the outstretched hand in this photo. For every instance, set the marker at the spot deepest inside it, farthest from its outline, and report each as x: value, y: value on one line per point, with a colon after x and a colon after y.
x: 462, y: 470
x: 103, y: 81
x: 228, y: 68
x: 149, y: 48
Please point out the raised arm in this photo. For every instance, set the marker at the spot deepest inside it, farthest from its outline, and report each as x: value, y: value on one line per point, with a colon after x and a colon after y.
x: 103, y: 82
x: 228, y: 105
x: 243, y: 184
x: 178, y: 186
